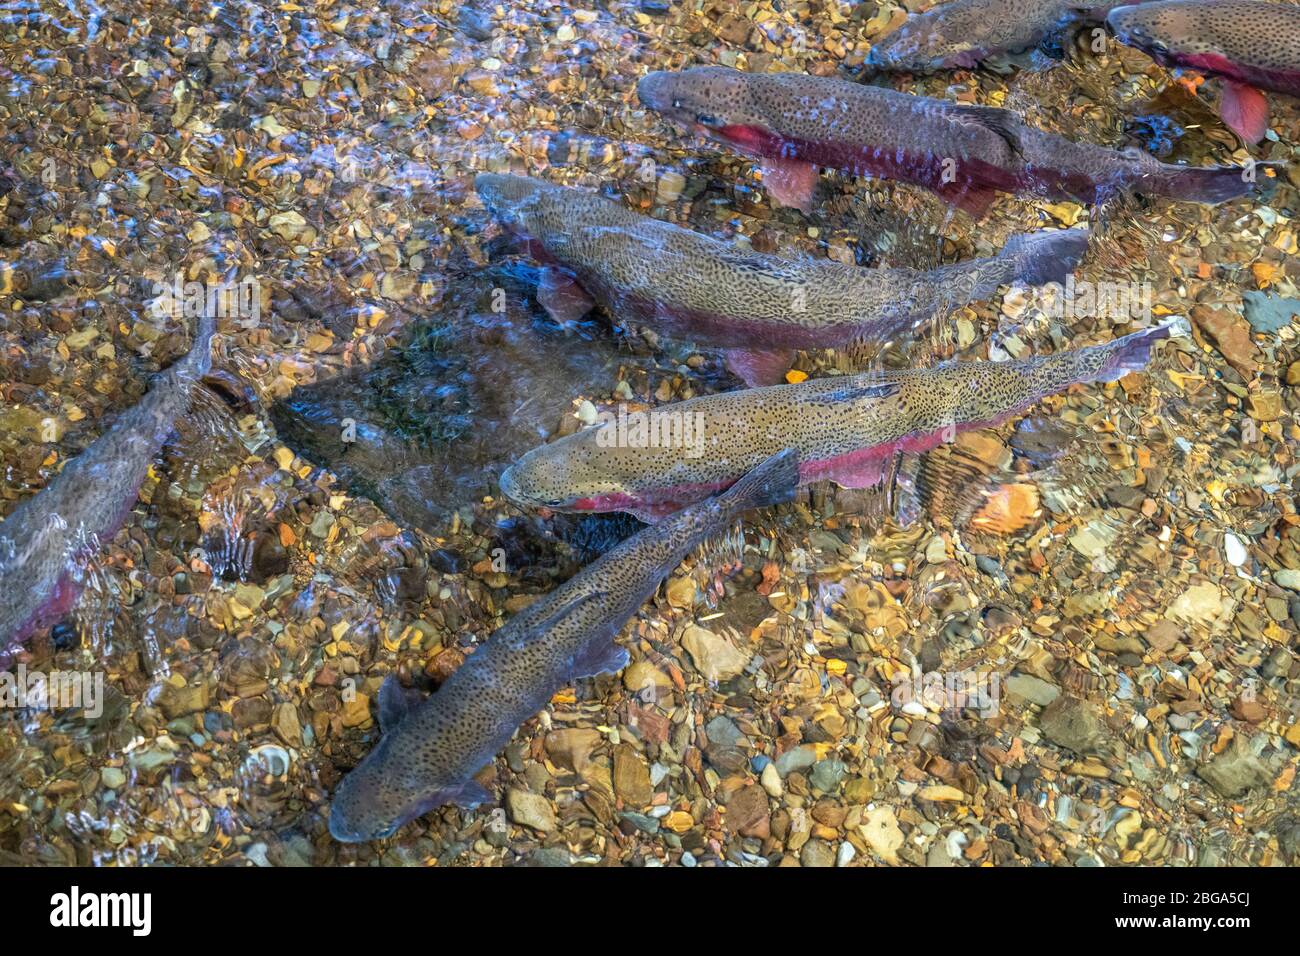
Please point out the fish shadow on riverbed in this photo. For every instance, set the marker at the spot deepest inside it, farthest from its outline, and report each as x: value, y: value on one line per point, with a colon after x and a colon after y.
x: 428, y: 428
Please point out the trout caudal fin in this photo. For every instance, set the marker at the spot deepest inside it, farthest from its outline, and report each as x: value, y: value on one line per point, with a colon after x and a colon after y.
x: 1047, y: 256
x: 198, y: 361
x: 771, y: 482
x: 1209, y: 184
x: 1130, y: 353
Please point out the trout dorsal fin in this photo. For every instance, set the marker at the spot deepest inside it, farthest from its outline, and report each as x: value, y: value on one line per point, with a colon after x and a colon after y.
x: 852, y: 393
x: 395, y: 702
x: 564, y: 610
x: 1003, y: 122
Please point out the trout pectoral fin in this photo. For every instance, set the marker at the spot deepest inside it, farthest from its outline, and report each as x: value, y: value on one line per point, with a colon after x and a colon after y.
x: 757, y: 367
x: 471, y: 793
x: 560, y: 295
x: 608, y: 659
x: 1244, y: 110
x: 395, y: 702
x: 790, y: 182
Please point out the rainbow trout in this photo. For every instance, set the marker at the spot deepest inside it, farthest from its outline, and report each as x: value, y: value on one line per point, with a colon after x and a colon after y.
x: 430, y: 750
x: 1251, y: 44
x: 961, y: 34
x: 794, y: 123
x: 757, y: 307
x: 46, y: 540
x: 845, y: 429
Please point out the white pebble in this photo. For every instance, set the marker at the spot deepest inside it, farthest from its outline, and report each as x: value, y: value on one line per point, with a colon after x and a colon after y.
x: 845, y: 854
x: 1234, y: 549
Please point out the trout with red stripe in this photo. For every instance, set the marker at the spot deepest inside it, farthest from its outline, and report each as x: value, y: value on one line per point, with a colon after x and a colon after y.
x: 962, y: 34
x: 1251, y: 44
x: 845, y: 429
x: 794, y: 123
x: 758, y: 307
x: 46, y: 540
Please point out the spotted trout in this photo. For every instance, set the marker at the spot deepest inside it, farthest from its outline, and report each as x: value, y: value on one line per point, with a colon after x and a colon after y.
x: 757, y: 307
x: 795, y: 123
x: 429, y: 750
x: 1251, y: 44
x: 46, y: 540
x: 961, y: 34
x: 845, y: 429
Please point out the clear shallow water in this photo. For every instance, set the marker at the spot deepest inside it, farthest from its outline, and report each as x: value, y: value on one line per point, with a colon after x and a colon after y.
x: 269, y: 562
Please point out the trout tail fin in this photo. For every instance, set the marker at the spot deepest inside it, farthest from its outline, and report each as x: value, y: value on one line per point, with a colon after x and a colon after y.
x: 198, y: 361
x: 771, y: 482
x: 1210, y: 184
x: 1131, y: 353
x: 1104, y: 363
x: 1049, y: 255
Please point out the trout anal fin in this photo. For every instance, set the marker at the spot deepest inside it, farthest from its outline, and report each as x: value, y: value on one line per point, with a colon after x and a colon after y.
x: 757, y: 367
x: 607, y: 659
x: 972, y: 200
x: 865, y: 474
x: 790, y: 182
x: 1244, y: 110
x: 560, y: 295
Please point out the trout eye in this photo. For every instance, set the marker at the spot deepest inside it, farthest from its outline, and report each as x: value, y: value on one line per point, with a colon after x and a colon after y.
x: 704, y: 119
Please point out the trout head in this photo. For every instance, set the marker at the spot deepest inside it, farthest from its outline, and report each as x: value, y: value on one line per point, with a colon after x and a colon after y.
x: 709, y: 99
x: 1167, y: 32
x: 511, y: 199
x: 372, y: 802
x: 583, y: 472
x: 544, y: 479
x: 382, y: 793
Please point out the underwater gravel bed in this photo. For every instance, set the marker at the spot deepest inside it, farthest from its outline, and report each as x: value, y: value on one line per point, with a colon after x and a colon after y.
x: 1121, y: 565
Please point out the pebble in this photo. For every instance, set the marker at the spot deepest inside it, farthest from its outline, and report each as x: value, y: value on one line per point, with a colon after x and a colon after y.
x: 1074, y: 724
x: 771, y: 781
x: 530, y: 809
x: 1234, y: 550
x: 714, y: 657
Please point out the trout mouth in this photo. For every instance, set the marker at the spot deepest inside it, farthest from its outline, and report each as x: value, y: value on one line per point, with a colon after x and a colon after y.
x: 1135, y: 35
x: 344, y: 832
